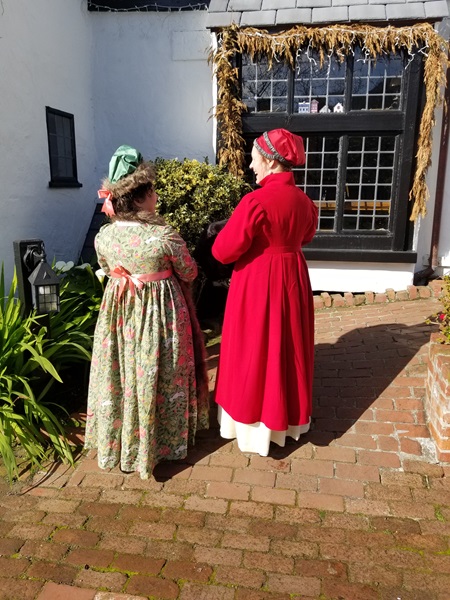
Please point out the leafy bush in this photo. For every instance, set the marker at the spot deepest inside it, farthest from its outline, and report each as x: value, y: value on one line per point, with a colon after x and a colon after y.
x: 32, y: 356
x: 193, y: 194
x: 442, y: 318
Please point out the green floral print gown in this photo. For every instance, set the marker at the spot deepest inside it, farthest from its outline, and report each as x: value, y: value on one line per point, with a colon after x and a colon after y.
x: 142, y: 403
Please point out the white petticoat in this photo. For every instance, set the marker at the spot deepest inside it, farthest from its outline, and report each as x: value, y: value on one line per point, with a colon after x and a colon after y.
x: 255, y: 437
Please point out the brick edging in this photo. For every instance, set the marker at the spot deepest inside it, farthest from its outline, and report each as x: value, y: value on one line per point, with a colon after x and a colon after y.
x: 413, y: 292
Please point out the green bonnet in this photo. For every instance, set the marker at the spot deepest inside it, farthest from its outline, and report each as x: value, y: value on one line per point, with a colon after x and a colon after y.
x: 124, y: 161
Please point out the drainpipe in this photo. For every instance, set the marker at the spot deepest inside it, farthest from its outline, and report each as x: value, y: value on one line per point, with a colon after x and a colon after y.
x: 424, y: 276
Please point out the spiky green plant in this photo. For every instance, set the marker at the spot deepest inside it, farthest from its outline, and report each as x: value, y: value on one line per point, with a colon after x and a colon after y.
x: 25, y: 418
x: 33, y: 357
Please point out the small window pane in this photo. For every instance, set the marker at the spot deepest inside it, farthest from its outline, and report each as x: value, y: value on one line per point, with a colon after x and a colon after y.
x: 386, y: 159
x: 385, y: 175
x: 387, y: 144
x: 384, y: 192
x: 359, y: 102
x: 336, y: 87
x: 318, y: 87
x: 331, y: 144
x: 393, y: 85
x: 263, y: 104
x: 370, y: 159
x: 391, y: 102
x: 279, y: 105
x: 315, y: 161
x: 375, y: 102
x: 354, y: 159
x: 280, y: 88
x: 369, y: 176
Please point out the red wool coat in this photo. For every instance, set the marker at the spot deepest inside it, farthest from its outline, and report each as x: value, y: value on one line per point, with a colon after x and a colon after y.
x: 266, y: 360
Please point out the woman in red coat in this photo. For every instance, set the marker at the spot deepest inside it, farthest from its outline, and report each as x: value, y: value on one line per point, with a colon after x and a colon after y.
x: 265, y: 374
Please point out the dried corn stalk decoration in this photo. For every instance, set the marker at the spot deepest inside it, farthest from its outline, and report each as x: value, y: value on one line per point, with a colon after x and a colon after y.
x: 340, y: 41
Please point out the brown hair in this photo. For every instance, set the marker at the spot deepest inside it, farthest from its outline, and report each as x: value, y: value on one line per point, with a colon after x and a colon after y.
x: 130, y: 191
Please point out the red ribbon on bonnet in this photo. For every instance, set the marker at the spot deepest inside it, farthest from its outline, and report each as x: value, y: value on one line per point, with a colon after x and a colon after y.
x: 107, y: 207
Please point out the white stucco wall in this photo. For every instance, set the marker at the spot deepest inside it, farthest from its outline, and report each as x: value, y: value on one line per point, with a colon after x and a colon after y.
x: 152, y: 84
x: 423, y: 230
x: 135, y: 78
x: 359, y: 277
x: 45, y: 58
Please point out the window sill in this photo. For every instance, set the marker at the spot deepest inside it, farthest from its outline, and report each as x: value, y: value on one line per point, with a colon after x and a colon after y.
x: 65, y: 184
x: 349, y: 256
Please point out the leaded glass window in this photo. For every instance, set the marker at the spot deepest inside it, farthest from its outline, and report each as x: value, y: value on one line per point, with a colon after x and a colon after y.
x: 358, y: 119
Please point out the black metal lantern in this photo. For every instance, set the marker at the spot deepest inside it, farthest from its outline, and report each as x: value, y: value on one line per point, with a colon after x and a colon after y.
x: 44, y: 289
x: 38, y: 285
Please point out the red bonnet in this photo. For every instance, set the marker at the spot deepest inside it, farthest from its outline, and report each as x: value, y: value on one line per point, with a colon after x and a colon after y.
x: 281, y: 145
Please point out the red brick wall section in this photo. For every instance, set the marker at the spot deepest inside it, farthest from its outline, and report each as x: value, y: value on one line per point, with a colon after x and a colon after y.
x: 437, y: 398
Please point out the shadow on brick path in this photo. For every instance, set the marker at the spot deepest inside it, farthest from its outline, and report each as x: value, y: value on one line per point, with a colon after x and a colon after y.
x: 359, y: 509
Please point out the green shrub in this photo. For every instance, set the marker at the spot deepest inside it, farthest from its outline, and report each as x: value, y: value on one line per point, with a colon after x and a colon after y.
x: 193, y: 194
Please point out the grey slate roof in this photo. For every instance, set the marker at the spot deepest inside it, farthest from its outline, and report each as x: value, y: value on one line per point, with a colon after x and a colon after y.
x: 270, y: 13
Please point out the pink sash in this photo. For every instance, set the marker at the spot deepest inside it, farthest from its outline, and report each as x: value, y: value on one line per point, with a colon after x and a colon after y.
x: 136, y: 280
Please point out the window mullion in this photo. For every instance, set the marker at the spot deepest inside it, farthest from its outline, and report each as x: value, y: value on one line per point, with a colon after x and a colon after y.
x: 340, y: 187
x: 290, y: 98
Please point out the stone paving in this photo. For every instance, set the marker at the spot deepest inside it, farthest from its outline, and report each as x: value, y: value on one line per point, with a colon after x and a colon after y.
x: 359, y: 509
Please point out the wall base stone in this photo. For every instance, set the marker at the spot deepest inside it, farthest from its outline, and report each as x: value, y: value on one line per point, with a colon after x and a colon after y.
x: 325, y: 300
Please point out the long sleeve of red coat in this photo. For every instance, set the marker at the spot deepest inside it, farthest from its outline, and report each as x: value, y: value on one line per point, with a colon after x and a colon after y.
x: 237, y: 235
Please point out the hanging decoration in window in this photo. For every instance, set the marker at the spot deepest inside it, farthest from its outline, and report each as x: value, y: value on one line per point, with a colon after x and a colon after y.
x: 341, y: 42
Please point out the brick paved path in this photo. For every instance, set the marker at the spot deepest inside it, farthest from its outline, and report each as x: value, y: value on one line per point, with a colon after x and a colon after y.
x: 359, y: 510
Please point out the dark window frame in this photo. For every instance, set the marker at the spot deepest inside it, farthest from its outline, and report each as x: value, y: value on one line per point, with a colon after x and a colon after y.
x: 56, y: 180
x: 370, y: 245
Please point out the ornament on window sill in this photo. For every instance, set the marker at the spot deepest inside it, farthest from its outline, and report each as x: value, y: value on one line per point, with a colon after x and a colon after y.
x: 303, y: 107
x: 324, y: 109
x: 338, y: 108
x: 314, y: 106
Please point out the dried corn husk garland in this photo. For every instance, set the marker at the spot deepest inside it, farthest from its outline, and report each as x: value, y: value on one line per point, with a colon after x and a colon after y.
x: 340, y: 41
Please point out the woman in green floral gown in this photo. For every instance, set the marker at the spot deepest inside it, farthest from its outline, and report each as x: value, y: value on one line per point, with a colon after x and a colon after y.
x: 143, y: 404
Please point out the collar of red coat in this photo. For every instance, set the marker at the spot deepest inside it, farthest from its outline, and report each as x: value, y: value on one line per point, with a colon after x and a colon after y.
x: 283, y: 177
